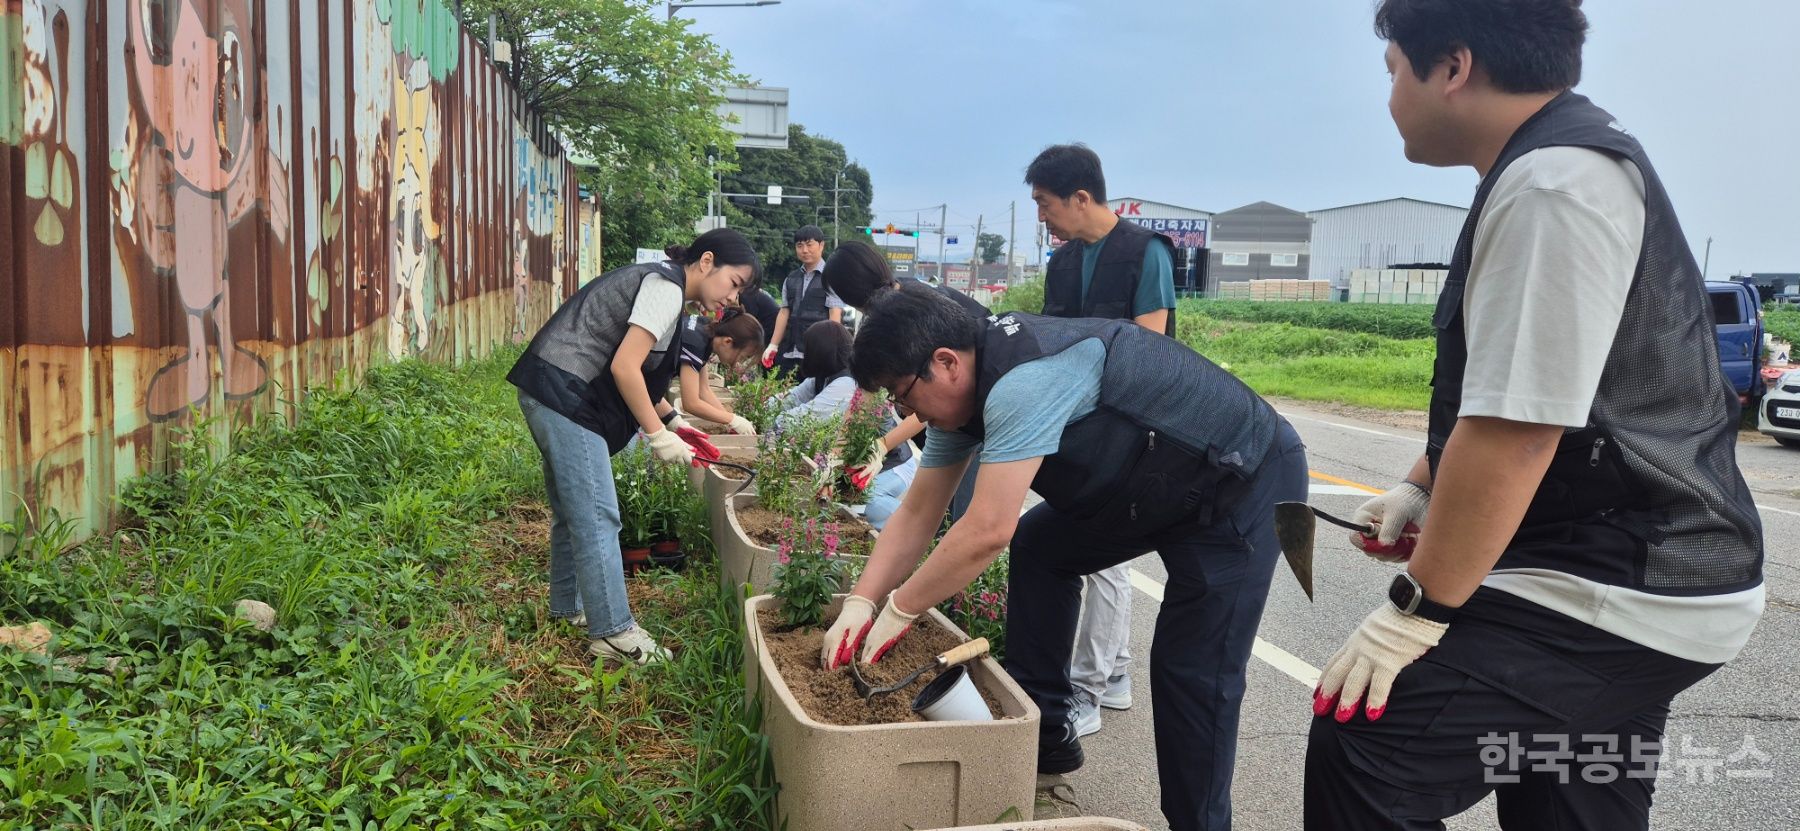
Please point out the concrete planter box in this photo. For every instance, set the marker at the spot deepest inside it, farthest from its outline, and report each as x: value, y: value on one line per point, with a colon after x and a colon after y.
x: 741, y: 560
x: 1070, y: 824
x: 715, y: 489
x: 727, y: 441
x: 894, y: 776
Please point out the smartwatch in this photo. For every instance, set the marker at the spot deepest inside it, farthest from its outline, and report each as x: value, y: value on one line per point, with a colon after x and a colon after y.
x: 1409, y: 597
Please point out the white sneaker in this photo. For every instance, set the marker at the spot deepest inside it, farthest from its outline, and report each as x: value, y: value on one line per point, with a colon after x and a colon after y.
x: 1118, y: 693
x: 633, y: 645
x: 579, y: 621
x: 1086, y: 715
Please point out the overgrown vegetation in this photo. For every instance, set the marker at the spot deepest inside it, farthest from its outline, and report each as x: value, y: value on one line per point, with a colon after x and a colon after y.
x: 412, y: 679
x: 1783, y: 322
x: 1280, y: 359
x: 1404, y: 322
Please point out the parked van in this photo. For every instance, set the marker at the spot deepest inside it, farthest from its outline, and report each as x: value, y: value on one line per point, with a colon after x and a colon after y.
x: 1737, y: 319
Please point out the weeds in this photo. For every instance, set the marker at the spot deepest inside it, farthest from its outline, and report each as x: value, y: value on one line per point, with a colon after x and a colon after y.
x: 413, y: 679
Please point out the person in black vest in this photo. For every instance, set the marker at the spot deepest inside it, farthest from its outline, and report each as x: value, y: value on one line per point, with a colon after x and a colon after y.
x: 1136, y: 444
x: 1109, y: 268
x: 804, y: 301
x: 734, y: 338
x: 594, y: 376
x: 857, y: 273
x: 1591, y: 549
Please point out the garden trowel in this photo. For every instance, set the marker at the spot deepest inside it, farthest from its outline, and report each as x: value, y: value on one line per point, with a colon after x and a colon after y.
x: 1294, y: 525
x: 956, y: 655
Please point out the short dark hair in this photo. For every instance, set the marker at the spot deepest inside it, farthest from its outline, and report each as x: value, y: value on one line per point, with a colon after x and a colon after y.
x: 808, y: 233
x: 827, y: 347
x: 1524, y: 46
x: 855, y: 272
x: 902, y: 328
x: 1063, y: 169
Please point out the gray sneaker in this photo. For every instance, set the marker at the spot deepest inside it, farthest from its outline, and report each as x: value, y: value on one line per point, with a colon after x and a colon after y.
x: 579, y: 621
x: 1118, y: 693
x: 633, y: 645
x: 1085, y: 715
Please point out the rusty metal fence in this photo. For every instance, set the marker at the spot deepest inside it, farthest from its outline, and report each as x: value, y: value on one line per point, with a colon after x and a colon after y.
x: 208, y: 206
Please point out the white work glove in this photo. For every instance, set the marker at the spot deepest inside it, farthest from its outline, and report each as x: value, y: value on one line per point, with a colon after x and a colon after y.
x: 768, y: 358
x: 838, y: 648
x: 740, y: 425
x: 1397, y: 516
x: 676, y: 423
x: 889, y: 628
x: 669, y: 447
x: 1386, y: 642
x: 864, y: 471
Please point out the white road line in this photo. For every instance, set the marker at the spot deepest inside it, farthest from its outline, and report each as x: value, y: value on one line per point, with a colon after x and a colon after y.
x: 1270, y: 654
x: 1336, y: 490
x: 1762, y: 507
x: 1293, y: 417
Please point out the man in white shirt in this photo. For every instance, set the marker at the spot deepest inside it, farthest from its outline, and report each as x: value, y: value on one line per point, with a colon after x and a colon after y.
x: 1592, y: 550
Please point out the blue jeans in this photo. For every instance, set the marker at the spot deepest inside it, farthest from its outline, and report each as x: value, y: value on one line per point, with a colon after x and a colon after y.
x: 587, y: 572
x: 887, y: 490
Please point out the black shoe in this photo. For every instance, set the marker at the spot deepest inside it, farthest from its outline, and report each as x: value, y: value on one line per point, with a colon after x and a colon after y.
x: 1058, y: 757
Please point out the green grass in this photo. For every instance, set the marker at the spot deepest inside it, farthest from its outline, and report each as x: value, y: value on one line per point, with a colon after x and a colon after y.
x: 1405, y: 322
x: 1280, y: 359
x: 413, y: 679
x: 1783, y: 322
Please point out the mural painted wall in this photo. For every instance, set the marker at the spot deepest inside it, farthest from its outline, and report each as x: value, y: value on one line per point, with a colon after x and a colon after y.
x: 208, y: 206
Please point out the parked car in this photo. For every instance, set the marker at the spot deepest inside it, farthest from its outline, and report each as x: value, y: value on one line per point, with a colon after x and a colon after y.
x: 1779, y: 415
x: 1738, y: 320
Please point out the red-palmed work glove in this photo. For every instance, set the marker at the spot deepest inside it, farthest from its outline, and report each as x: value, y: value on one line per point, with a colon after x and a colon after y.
x: 838, y: 647
x: 669, y: 447
x: 1387, y: 642
x: 1397, y: 516
x: 697, y: 441
x: 768, y: 360
x: 889, y: 628
x: 864, y: 471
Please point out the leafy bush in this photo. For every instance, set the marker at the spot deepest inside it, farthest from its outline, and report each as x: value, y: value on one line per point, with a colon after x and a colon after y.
x: 1024, y: 296
x: 1783, y: 322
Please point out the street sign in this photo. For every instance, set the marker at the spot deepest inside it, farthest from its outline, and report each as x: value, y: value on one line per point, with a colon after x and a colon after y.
x: 774, y: 194
x: 950, y: 240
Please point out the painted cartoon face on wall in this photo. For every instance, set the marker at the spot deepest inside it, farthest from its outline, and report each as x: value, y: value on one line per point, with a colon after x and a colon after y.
x: 199, y: 62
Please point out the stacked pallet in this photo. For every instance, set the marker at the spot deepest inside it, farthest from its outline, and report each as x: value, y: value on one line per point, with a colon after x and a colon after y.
x: 1276, y: 291
x: 1395, y: 286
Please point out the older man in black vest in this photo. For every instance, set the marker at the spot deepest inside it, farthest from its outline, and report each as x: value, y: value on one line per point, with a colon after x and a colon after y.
x: 805, y: 300
x: 1591, y: 549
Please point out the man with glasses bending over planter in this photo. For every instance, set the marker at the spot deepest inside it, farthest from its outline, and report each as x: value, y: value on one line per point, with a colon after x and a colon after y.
x: 1136, y: 444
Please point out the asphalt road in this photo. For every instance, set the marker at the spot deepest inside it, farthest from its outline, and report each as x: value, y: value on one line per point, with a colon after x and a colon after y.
x: 1754, y: 698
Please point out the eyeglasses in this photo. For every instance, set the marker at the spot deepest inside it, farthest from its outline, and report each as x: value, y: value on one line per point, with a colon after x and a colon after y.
x: 902, y: 398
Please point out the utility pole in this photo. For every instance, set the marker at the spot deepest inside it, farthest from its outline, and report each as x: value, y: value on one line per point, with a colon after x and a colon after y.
x: 943, y: 217
x: 837, y: 182
x: 916, y: 215
x: 975, y: 259
x: 1012, y: 232
x: 1707, y: 263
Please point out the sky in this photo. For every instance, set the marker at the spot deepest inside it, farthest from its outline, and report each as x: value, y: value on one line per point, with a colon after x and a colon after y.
x: 1217, y: 104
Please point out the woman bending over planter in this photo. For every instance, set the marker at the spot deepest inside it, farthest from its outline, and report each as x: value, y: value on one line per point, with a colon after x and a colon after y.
x: 591, y: 379
x: 733, y: 338
x: 826, y: 390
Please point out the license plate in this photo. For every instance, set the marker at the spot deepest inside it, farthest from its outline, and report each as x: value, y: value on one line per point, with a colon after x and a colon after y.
x: 1788, y: 412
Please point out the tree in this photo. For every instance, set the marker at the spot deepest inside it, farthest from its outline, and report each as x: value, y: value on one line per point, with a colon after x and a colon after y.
x: 991, y: 246
x: 634, y: 92
x: 807, y: 167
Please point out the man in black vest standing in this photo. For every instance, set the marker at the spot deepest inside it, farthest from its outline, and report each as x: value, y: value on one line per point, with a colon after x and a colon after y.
x: 804, y: 301
x: 1109, y: 268
x: 1591, y: 549
x: 1137, y: 444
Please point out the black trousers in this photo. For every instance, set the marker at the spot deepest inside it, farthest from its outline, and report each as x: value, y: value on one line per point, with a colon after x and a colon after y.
x: 1560, y: 720
x: 1218, y: 583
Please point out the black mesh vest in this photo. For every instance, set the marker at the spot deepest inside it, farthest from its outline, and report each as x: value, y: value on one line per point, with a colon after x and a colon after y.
x: 1647, y: 496
x: 568, y: 365
x: 1113, y: 291
x: 808, y: 307
x: 1172, y: 439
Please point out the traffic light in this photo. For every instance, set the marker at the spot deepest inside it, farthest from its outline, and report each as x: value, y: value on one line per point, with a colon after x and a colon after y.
x: 889, y: 229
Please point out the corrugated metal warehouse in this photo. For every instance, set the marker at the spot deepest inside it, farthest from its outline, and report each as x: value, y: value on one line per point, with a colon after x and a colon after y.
x: 1380, y: 235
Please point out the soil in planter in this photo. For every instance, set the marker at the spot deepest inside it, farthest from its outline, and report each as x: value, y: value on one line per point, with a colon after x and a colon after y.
x: 763, y: 527
x: 830, y: 696
x: 748, y: 461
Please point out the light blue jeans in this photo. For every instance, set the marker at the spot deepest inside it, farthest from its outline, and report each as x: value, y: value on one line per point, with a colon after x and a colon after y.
x: 887, y: 490
x: 587, y: 572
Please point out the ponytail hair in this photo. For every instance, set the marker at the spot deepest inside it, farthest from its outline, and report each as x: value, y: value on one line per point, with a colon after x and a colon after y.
x: 727, y: 246
x: 744, y: 330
